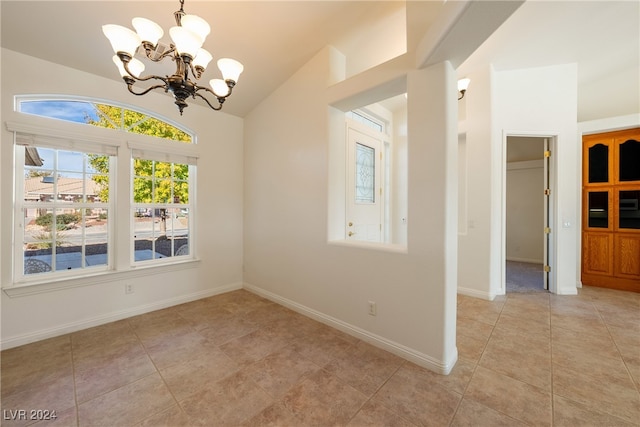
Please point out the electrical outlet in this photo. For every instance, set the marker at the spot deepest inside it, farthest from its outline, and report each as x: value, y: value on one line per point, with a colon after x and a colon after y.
x: 128, y: 288
x: 372, y: 308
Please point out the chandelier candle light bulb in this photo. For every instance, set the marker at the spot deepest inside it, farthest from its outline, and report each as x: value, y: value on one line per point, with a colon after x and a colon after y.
x: 186, y: 51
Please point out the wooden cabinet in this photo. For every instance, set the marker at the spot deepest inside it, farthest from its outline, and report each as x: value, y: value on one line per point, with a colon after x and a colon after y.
x: 611, y: 210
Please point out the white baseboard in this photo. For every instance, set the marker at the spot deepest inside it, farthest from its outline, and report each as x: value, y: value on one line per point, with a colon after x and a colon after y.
x: 407, y: 353
x: 476, y: 294
x: 67, y: 328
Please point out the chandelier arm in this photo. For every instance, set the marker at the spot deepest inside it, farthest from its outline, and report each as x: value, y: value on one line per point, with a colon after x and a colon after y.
x: 149, y: 53
x: 144, y: 78
x: 220, y: 100
x: 147, y: 90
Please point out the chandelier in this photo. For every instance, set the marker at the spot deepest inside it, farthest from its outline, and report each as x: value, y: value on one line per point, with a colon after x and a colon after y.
x: 186, y: 51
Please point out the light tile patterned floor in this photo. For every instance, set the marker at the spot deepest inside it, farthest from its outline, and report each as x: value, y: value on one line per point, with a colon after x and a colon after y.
x: 237, y: 359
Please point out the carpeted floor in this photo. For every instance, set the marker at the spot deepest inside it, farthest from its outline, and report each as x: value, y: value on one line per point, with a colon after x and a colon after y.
x: 524, y: 277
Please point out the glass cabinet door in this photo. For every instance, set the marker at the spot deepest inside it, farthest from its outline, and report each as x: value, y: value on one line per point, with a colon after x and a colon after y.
x: 598, y: 163
x: 598, y: 209
x: 629, y: 161
x: 629, y: 209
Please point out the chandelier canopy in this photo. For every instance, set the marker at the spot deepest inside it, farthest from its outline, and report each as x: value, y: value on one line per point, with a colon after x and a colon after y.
x: 186, y: 51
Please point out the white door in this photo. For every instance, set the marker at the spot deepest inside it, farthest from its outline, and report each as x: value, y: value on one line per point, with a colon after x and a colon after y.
x: 364, y: 180
x: 547, y: 214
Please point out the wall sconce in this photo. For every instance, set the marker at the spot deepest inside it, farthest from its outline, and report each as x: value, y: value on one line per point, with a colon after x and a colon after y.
x: 463, y: 84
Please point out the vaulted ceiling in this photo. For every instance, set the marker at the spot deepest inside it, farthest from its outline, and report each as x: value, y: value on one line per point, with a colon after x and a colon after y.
x: 275, y: 38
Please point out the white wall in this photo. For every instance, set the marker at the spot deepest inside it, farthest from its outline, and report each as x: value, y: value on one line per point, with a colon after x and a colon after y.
x: 399, y: 203
x: 290, y: 142
x: 528, y: 102
x: 525, y: 211
x: 474, y: 274
x: 94, y: 301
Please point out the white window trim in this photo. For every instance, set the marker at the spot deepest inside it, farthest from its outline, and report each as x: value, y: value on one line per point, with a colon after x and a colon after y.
x: 69, y: 135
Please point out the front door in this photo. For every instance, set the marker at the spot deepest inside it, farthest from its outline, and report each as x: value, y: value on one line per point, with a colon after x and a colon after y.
x: 364, y: 194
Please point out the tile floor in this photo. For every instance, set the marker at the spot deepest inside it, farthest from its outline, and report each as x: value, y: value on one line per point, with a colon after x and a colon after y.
x: 239, y: 360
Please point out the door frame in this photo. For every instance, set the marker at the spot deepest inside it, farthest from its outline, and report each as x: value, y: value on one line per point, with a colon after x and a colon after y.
x: 552, y: 203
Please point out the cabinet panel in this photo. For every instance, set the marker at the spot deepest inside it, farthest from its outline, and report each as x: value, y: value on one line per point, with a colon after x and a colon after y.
x: 627, y: 256
x: 597, y: 253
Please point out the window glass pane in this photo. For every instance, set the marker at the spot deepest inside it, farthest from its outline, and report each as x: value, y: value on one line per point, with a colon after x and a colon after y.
x: 69, y: 239
x: 38, y: 186
x: 365, y: 174
x: 70, y: 161
x: 71, y: 187
x: 599, y: 209
x: 97, y: 188
x: 162, y: 170
x: 181, y: 238
x: 143, y: 167
x: 181, y: 192
x: 97, y: 180
x: 96, y: 232
x: 163, y: 191
x: 148, y: 230
x: 38, y: 241
x: 142, y: 190
x: 630, y: 160
x: 599, y: 163
x: 178, y: 230
x: 72, y: 111
x: 154, y: 127
x: 105, y: 116
x: 629, y: 205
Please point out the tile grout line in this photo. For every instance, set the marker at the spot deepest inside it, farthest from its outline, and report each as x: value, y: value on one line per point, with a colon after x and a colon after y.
x: 73, y: 374
x: 606, y: 325
x: 477, y: 362
x: 146, y: 351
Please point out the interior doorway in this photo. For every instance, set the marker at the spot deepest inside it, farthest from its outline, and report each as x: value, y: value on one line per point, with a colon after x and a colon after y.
x: 528, y: 210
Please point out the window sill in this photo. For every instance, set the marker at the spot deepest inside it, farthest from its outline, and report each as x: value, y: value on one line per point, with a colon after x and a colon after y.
x: 20, y: 289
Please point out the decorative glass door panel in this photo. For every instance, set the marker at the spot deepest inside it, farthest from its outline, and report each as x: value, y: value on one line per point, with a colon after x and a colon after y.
x: 365, y: 174
x: 598, y: 163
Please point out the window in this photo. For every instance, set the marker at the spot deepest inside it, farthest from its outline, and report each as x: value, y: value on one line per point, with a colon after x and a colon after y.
x: 103, y: 115
x: 367, y: 120
x: 66, y: 223
x: 66, y: 188
x: 160, y: 209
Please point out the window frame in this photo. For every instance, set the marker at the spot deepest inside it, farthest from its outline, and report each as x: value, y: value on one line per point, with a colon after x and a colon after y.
x: 55, y: 205
x: 65, y: 135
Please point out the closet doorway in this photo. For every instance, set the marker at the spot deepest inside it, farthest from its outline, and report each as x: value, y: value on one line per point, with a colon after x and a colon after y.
x: 527, y: 209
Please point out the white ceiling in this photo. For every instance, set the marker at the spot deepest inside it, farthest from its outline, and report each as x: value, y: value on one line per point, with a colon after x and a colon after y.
x: 273, y: 39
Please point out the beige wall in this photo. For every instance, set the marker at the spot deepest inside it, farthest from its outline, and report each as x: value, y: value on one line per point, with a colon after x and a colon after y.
x: 289, y: 162
x: 92, y: 301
